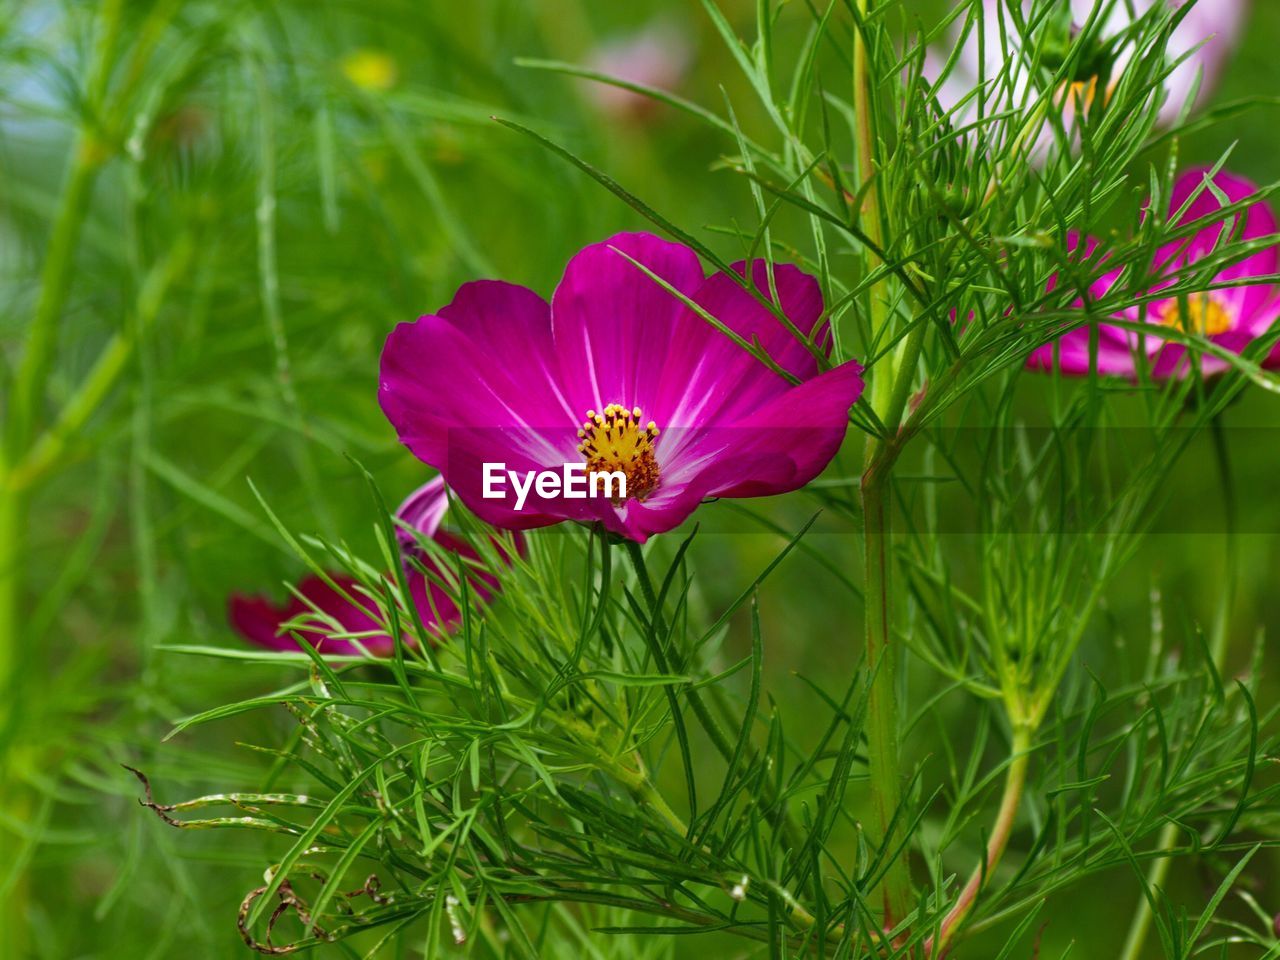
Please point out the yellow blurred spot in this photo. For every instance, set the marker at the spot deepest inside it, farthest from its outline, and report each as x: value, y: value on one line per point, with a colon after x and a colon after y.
x: 372, y: 70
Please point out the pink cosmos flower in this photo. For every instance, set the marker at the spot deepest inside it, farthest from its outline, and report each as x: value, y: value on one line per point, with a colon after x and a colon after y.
x: 325, y: 616
x: 656, y: 56
x: 1231, y: 317
x: 1208, y: 32
x: 618, y: 374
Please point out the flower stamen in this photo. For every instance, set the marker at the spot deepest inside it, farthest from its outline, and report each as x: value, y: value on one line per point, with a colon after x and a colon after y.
x: 1205, y: 315
x: 617, y: 440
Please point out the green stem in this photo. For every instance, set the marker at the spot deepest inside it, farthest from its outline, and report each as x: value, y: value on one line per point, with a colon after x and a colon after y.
x: 1015, y: 780
x: 25, y: 395
x: 48, y: 450
x: 1140, y: 926
x: 90, y: 153
x: 882, y: 703
x: 28, y: 387
x: 24, y: 399
x: 882, y: 708
x: 869, y: 213
x: 13, y: 509
x: 29, y: 382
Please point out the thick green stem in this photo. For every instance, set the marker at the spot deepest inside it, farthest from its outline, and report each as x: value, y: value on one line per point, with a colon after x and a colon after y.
x: 882, y: 708
x: 1015, y: 780
x: 883, y: 764
x: 24, y: 398
x: 15, y: 800
x: 28, y: 385
x: 869, y: 213
x: 1140, y: 926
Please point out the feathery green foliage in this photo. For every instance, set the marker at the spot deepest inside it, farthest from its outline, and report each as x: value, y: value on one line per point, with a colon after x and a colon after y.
x: 627, y: 753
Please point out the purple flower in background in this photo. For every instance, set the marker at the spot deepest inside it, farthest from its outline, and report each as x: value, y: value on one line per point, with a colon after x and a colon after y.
x: 656, y: 56
x: 1207, y: 32
x: 619, y: 375
x: 331, y: 612
x: 1230, y: 316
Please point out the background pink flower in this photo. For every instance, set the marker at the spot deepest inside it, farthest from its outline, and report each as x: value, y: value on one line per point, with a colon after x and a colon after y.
x: 1230, y: 317
x: 1208, y: 32
x: 658, y: 55
x: 327, y: 611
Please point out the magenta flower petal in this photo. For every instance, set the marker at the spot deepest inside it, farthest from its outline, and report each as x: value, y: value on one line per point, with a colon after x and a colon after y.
x: 640, y: 520
x: 1072, y: 353
x: 1259, y: 219
x: 258, y: 620
x: 488, y: 312
x: 1243, y: 311
x: 457, y: 370
x: 263, y: 622
x: 614, y: 324
x: 779, y: 447
x: 794, y: 436
x: 799, y: 297
x: 1256, y: 221
x: 459, y: 400
x: 714, y: 377
x: 423, y: 510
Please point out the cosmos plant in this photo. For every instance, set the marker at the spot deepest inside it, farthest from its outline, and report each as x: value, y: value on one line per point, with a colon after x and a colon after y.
x: 547, y: 727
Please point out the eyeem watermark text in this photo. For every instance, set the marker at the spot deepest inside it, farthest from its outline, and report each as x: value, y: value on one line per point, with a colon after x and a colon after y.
x: 570, y: 482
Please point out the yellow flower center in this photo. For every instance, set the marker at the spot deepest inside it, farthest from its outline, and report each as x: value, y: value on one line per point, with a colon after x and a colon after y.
x: 1204, y: 315
x: 617, y: 440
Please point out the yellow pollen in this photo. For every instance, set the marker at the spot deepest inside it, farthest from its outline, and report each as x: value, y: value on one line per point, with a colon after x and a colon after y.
x: 1205, y: 315
x: 614, y: 440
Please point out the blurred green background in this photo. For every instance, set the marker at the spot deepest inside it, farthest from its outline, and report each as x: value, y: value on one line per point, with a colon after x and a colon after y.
x: 333, y: 170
